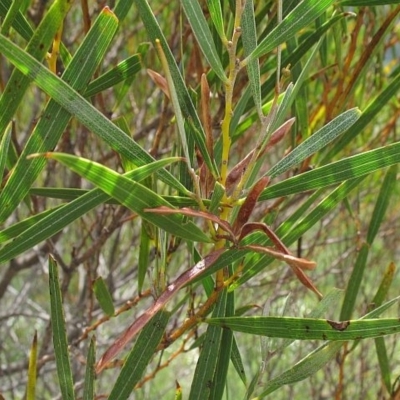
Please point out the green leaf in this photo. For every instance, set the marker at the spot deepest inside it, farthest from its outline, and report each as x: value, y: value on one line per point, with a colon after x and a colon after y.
x: 360, y: 3
x: 373, y: 109
x: 4, y: 145
x: 300, y: 17
x: 103, y: 296
x: 48, y: 223
x: 77, y: 106
x: 60, y: 343
x: 140, y: 356
x: 144, y: 250
x: 294, y: 94
x: 32, y: 367
x: 249, y: 38
x: 225, y: 351
x: 216, y: 198
x: 203, y: 379
x: 88, y: 387
x: 54, y: 119
x: 200, y: 28
x: 357, y: 274
x: 388, y: 185
x: 309, y: 328
x: 328, y: 304
x: 380, y: 346
x: 306, y: 367
x: 175, y: 103
x: 132, y: 195
x: 237, y: 361
x: 16, y: 229
x: 214, y: 6
x: 339, y: 171
x: 122, y: 71
x: 316, y: 142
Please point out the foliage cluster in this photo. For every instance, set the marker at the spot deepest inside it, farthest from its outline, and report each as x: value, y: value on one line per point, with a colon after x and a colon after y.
x: 186, y: 185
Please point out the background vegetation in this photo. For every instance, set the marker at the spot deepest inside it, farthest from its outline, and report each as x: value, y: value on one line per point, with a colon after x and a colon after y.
x: 222, y: 112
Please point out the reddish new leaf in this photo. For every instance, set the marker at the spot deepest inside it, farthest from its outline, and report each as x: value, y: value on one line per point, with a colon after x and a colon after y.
x: 259, y: 226
x: 251, y: 200
x: 160, y: 81
x: 172, y: 289
x: 194, y: 213
x: 296, y: 264
x: 239, y: 169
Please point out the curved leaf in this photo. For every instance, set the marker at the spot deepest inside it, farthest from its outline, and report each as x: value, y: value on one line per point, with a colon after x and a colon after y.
x: 197, y: 21
x: 132, y: 195
x: 140, y: 356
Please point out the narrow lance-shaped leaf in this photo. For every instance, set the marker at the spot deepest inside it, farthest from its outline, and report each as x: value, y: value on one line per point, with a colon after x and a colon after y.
x: 317, y: 141
x: 200, y: 28
x: 380, y: 345
x: 11, y: 14
x: 140, y: 356
x: 357, y: 274
x: 88, y: 387
x: 175, y: 102
x: 123, y: 70
x: 225, y: 351
x: 306, y: 367
x: 249, y: 38
x: 247, y: 207
x: 207, y: 362
x: 237, y: 361
x: 293, y: 91
x: 245, y: 104
x: 132, y: 195
x: 103, y: 296
x: 300, y: 17
x: 31, y: 384
x: 60, y: 343
x: 310, y: 328
x: 4, y: 145
x: 214, y: 6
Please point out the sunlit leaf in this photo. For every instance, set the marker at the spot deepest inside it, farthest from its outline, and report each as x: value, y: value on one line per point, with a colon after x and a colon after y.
x: 60, y: 343
x: 140, y: 356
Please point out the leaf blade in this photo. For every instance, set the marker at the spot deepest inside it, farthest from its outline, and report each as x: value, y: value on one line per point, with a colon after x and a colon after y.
x: 203, y: 35
x: 140, y: 356
x: 132, y: 195
x: 60, y: 343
